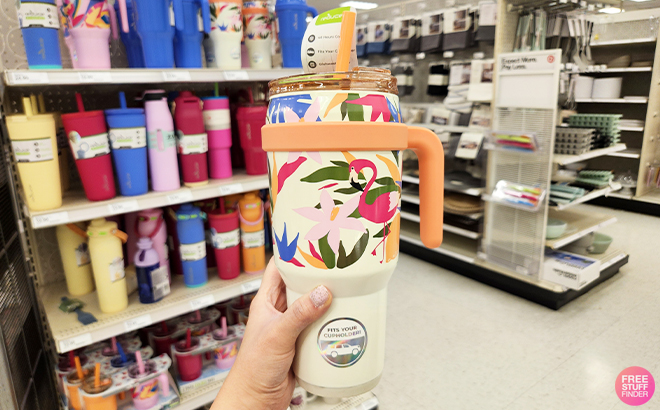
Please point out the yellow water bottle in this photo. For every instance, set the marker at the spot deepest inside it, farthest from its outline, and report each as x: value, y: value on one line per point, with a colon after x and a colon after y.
x: 251, y: 213
x: 33, y: 141
x: 105, y: 249
x: 74, y: 251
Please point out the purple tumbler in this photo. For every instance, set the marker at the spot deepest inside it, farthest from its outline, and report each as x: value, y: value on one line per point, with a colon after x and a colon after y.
x: 218, y: 128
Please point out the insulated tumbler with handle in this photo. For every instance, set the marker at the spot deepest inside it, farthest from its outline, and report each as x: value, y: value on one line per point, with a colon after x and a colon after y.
x: 34, y: 143
x: 250, y: 119
x: 192, y: 141
x: 335, y: 195
x: 91, y: 25
x: 161, y: 142
x: 39, y: 22
x: 155, y: 25
x: 291, y: 25
x: 258, y: 36
x: 226, y: 34
x: 128, y: 139
x: 192, y: 19
x: 88, y: 139
x: 105, y: 249
x: 218, y: 128
x: 129, y: 35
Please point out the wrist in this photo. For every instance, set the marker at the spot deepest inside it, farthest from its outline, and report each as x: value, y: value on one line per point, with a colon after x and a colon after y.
x: 235, y: 394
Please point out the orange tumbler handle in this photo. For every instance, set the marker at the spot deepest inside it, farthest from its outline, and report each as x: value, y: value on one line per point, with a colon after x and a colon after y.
x: 431, y: 158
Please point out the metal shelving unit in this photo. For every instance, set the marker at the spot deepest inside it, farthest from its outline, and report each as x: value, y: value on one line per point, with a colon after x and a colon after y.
x: 641, y: 100
x: 569, y: 159
x: 579, y: 225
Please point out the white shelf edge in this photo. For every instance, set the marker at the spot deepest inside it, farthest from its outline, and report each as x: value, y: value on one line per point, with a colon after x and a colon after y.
x: 628, y: 153
x: 446, y: 128
x: 445, y: 227
x: 574, y: 237
x: 613, y: 260
x: 27, y: 78
x: 441, y: 250
x: 588, y: 197
x: 620, y: 196
x: 621, y: 42
x: 611, y: 101
x: 635, y: 129
x: 410, y: 179
x: 97, y: 332
x: 410, y: 198
x: 562, y: 159
x: 616, y: 70
x: 88, y: 210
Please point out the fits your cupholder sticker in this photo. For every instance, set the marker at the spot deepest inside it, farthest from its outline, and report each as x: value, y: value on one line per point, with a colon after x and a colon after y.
x: 342, y: 342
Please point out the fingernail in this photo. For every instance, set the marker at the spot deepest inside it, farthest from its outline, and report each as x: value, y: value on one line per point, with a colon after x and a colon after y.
x: 319, y: 296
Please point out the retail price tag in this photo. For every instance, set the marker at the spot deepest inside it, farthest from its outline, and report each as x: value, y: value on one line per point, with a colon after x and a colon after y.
x: 123, y: 207
x: 94, y: 77
x: 251, y: 286
x: 448, y: 54
x: 29, y: 78
x: 56, y: 218
x: 176, y: 75
x: 420, y: 56
x: 202, y: 302
x: 183, y: 195
x: 137, y: 322
x: 230, y: 189
x: 236, y: 75
x: 75, y: 342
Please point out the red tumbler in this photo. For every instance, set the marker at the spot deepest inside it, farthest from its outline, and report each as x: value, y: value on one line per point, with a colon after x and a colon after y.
x: 226, y: 239
x: 192, y: 141
x: 250, y: 119
x: 88, y: 139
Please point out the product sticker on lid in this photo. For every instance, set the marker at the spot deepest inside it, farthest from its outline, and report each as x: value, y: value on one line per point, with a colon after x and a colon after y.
x: 321, y: 42
x: 88, y: 147
x: 342, y: 342
x: 128, y: 138
x: 38, y: 15
x: 36, y: 150
x: 224, y: 240
x: 192, y: 144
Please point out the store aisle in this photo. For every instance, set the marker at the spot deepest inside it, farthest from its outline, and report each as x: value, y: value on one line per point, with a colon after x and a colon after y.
x: 454, y: 343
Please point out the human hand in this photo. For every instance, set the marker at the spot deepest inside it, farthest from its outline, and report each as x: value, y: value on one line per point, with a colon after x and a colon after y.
x: 261, y: 377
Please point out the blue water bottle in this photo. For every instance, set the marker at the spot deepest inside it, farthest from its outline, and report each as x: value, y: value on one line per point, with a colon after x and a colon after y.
x: 292, y: 23
x: 192, y: 17
x: 155, y: 26
x: 128, y: 140
x: 131, y: 39
x: 190, y: 229
x: 39, y: 22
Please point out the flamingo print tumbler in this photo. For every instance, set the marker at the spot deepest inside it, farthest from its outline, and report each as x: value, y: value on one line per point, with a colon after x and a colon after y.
x: 334, y: 144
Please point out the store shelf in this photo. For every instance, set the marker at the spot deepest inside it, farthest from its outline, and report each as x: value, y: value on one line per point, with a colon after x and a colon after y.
x: 447, y: 128
x: 652, y: 197
x: 25, y: 78
x: 473, y: 191
x: 610, y: 257
x: 588, y: 197
x: 411, y: 179
x: 69, y: 334
x: 413, y: 199
x: 569, y: 159
x: 409, y: 216
x: 628, y: 153
x: 623, y: 42
x: 453, y: 245
x: 75, y: 206
x: 635, y: 129
x: 611, y: 101
x: 619, y: 195
x: 619, y: 70
x: 580, y: 223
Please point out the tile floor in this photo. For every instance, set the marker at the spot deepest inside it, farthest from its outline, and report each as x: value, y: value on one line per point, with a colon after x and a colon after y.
x: 454, y: 343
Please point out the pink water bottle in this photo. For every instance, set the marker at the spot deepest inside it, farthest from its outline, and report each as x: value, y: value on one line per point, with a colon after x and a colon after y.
x: 192, y: 142
x: 150, y: 223
x: 250, y: 119
x: 88, y: 138
x: 218, y: 127
x: 161, y: 142
x: 91, y: 24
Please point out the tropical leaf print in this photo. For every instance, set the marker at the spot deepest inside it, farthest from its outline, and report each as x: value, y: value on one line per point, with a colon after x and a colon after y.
x: 355, y: 112
x: 392, y: 243
x: 343, y: 260
x: 326, y: 253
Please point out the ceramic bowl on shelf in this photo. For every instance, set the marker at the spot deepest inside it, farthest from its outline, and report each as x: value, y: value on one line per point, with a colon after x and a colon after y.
x: 555, y: 228
x: 600, y: 244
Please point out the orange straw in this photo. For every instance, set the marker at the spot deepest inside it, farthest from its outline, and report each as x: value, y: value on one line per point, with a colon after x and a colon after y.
x: 97, y: 375
x: 78, y: 368
x: 345, y: 41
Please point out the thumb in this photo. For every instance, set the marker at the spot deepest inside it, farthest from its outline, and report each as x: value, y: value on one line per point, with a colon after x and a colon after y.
x: 303, y: 312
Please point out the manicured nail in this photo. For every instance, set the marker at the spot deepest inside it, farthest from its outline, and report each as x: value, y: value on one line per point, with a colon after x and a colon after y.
x: 319, y: 296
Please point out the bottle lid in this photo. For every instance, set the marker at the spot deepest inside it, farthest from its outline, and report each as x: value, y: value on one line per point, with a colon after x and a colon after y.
x: 216, y: 103
x: 181, y: 345
x: 289, y: 4
x: 188, y: 211
x: 101, y: 227
x: 154, y: 95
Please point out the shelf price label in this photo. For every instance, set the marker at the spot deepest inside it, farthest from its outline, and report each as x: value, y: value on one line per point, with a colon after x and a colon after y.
x: 202, y: 302
x: 251, y: 286
x: 94, y: 77
x: 75, y: 342
x: 30, y: 78
x: 137, y: 322
x: 56, y: 218
x: 236, y: 75
x: 176, y: 75
x: 123, y: 207
x: 230, y: 189
x: 184, y: 195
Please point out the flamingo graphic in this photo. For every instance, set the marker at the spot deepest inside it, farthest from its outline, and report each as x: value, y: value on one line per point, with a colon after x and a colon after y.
x: 384, y: 206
